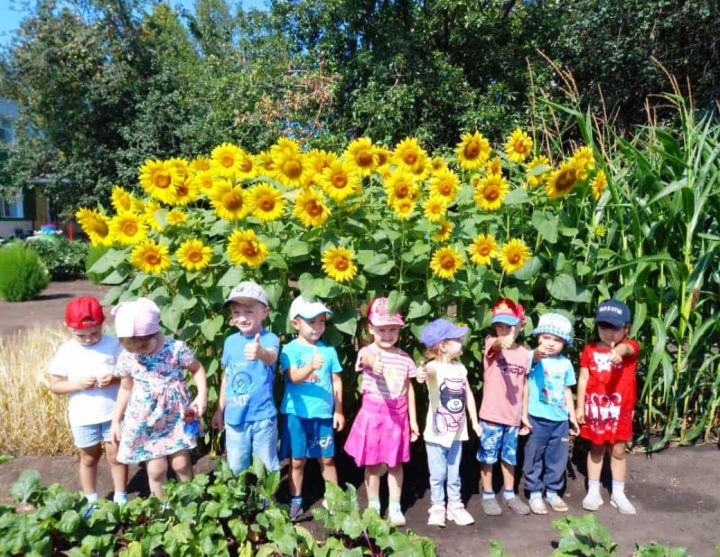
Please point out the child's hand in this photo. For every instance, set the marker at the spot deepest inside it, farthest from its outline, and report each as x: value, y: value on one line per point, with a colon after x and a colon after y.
x: 370, y: 359
x: 198, y: 406
x: 338, y: 421
x: 317, y: 360
x: 525, y: 425
x: 574, y: 427
x: 421, y: 374
x: 104, y: 380
x: 580, y: 415
x: 414, y: 431
x: 615, y: 354
x: 540, y: 353
x: 218, y: 419
x: 87, y: 383
x: 252, y: 349
x: 477, y: 428
x: 508, y: 340
x: 115, y: 432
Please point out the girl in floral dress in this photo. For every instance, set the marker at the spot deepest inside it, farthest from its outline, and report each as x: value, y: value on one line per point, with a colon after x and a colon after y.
x: 155, y: 420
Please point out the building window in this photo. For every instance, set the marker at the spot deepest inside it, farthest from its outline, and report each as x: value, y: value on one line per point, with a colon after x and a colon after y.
x: 11, y: 205
x: 6, y: 131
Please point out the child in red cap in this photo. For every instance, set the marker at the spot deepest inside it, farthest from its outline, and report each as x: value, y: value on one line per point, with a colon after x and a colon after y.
x: 83, y: 369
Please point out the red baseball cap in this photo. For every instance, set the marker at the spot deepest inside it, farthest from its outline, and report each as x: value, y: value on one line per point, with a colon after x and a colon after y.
x: 83, y: 312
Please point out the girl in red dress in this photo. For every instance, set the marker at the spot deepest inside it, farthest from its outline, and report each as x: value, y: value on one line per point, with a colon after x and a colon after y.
x: 606, y: 400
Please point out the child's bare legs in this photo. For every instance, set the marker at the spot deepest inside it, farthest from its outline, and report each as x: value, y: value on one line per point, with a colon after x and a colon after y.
x: 327, y: 467
x: 486, y: 473
x: 593, y: 500
x: 119, y: 472
x: 182, y: 465
x: 372, y: 484
x: 157, y: 475
x: 89, y: 458
x: 395, y: 481
x: 297, y: 471
x: 508, y: 472
x: 618, y: 463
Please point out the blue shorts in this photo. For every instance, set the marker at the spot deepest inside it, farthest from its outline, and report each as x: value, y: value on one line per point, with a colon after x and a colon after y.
x: 252, y: 438
x: 90, y: 435
x: 307, y: 437
x: 498, y: 439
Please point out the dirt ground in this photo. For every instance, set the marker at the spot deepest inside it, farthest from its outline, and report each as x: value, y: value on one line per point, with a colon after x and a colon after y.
x: 676, y: 491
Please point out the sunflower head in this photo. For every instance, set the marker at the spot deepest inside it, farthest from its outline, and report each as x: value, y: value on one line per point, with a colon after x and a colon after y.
x: 538, y: 171
x: 122, y: 199
x: 404, y: 208
x: 128, y: 229
x: 337, y: 262
x: 599, y: 183
x: 150, y: 257
x: 513, y: 255
x: 227, y: 159
x: 400, y: 184
x: 340, y: 180
x: 360, y: 155
x: 244, y: 248
x: 584, y: 160
x: 156, y: 177
x: 266, y: 202
x: 493, y: 166
x: 518, y: 146
x: 204, y: 181
x: 408, y: 153
x: 229, y: 201
x: 446, y: 184
x: 95, y: 225
x: 483, y: 249
x: 437, y: 164
x: 194, y: 255
x: 183, y: 191
x: 490, y: 192
x: 472, y: 151
x: 443, y: 233
x: 446, y: 262
x: 289, y: 166
x: 310, y: 208
x: 200, y: 164
x: 562, y: 181
x: 435, y: 208
x: 175, y: 217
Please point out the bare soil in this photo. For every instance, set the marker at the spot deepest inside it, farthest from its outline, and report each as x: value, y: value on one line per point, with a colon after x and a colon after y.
x: 676, y: 491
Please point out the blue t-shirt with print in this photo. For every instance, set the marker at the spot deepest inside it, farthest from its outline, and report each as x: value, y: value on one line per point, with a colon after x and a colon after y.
x: 549, y: 377
x: 312, y: 398
x: 248, y: 383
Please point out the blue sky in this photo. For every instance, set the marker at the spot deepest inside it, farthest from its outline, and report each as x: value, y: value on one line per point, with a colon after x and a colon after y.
x: 13, y: 11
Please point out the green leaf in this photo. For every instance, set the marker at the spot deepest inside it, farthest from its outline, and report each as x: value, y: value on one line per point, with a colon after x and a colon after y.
x: 345, y: 319
x: 295, y: 248
x: 396, y: 301
x: 517, y: 196
x: 26, y: 487
x: 69, y: 521
x: 276, y: 261
x: 531, y: 268
x: 563, y: 288
x: 220, y: 228
x: 232, y: 276
x: 211, y: 327
x: 170, y: 317
x: 109, y: 260
x: 418, y: 309
x: 352, y: 525
x: 380, y: 265
x: 546, y: 225
x: 118, y: 276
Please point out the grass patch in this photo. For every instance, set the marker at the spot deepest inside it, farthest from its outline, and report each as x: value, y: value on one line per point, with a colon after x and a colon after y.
x: 36, y: 420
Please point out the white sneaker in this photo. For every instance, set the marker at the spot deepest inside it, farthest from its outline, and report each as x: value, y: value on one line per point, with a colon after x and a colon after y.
x: 592, y: 501
x: 459, y: 515
x: 437, y: 515
x: 375, y: 506
x: 537, y: 505
x: 557, y: 504
x: 396, y: 517
x: 622, y: 503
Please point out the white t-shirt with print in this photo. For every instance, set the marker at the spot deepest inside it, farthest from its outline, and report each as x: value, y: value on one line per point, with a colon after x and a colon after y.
x: 447, y: 408
x: 74, y: 362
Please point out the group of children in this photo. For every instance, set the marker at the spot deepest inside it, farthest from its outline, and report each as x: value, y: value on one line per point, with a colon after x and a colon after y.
x: 131, y: 393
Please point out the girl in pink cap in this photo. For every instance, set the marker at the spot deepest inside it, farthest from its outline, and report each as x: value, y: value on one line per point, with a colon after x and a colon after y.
x: 154, y: 420
x: 386, y: 423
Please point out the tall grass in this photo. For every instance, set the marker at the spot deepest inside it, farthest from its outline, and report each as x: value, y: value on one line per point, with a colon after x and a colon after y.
x: 34, y: 420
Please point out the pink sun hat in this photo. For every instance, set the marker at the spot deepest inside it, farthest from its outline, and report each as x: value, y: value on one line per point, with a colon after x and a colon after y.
x: 379, y: 314
x: 137, y: 318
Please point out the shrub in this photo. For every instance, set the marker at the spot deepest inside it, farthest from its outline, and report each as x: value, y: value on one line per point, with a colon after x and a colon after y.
x: 63, y: 259
x: 22, y: 274
x: 94, y: 253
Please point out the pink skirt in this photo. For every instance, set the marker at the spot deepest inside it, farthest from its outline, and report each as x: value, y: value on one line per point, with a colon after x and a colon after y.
x: 380, y: 433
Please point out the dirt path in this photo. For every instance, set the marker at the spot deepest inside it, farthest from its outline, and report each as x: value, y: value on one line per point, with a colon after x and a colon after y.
x: 676, y: 493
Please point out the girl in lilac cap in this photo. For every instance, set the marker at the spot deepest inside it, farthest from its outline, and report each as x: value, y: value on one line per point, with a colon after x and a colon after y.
x: 154, y: 416
x: 386, y: 423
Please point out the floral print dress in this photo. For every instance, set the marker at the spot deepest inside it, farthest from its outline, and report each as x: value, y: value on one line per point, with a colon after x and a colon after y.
x: 153, y: 425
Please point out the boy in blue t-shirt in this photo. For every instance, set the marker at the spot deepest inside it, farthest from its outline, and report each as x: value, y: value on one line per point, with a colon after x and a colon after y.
x: 246, y: 405
x: 312, y: 402
x: 550, y: 406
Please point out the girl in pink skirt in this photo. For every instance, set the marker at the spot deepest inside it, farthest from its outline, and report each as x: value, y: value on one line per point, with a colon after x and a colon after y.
x: 386, y: 423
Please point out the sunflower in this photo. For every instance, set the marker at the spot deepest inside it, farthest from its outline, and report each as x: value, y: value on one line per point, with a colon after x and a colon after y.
x: 408, y: 153
x: 490, y: 192
x: 383, y: 156
x: 337, y: 262
x: 437, y: 164
x: 150, y: 215
x: 265, y: 202
x: 444, y: 232
x: 122, y: 199
x: 176, y: 216
x: 536, y: 172
x: 562, y: 181
x: 200, y: 164
x: 483, y: 249
x: 513, y: 255
x: 472, y: 151
x: 95, y: 225
x: 446, y: 184
x: 128, y: 229
x: 204, y: 181
x: 493, y: 166
x: 445, y: 262
x: 264, y: 163
x: 310, y: 208
x: 435, y: 208
x: 360, y: 155
x: 193, y: 255
x: 599, y: 230
x: 289, y: 166
x: 248, y: 167
x: 599, y: 184
x: 179, y: 167
x: 227, y: 159
x: 404, y: 208
x: 245, y: 249
x: 584, y: 160
x: 229, y: 201
x: 184, y: 191
x: 400, y: 185
x: 150, y: 257
x: 319, y: 159
x: 518, y: 146
x: 156, y: 178
x: 340, y: 180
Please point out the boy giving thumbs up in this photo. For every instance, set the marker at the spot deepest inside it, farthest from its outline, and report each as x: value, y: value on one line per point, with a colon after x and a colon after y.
x: 312, y: 402
x: 246, y: 406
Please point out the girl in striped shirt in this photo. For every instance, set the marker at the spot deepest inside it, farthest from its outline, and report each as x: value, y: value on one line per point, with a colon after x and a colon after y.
x: 386, y: 423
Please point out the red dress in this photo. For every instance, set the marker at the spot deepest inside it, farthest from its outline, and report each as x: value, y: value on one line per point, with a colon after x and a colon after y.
x: 610, y: 395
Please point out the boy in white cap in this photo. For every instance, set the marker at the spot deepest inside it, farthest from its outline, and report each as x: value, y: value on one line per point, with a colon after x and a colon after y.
x: 246, y: 405
x: 550, y: 405
x: 312, y: 402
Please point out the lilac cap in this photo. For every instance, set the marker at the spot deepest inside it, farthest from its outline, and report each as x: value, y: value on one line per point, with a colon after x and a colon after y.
x: 137, y: 318
x: 441, y: 329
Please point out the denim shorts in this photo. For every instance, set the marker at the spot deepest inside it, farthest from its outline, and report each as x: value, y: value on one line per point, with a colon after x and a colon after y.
x: 498, y: 439
x: 307, y: 437
x: 252, y: 438
x: 90, y: 435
